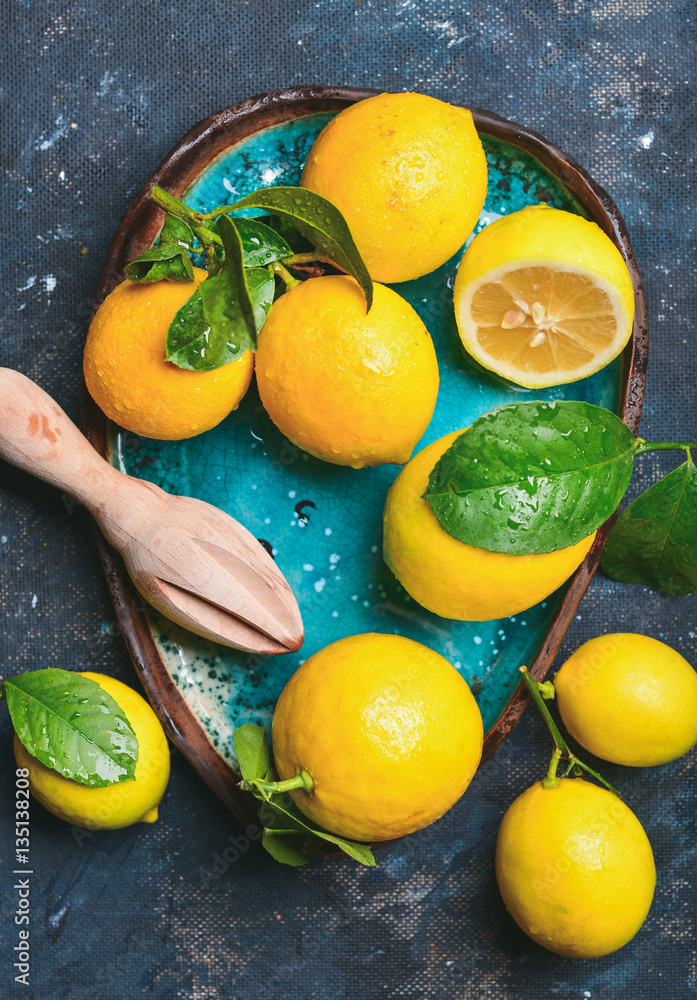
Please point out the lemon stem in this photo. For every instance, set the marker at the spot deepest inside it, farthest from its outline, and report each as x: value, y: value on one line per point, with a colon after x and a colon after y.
x: 644, y: 446
x: 288, y: 280
x: 206, y: 237
x: 561, y: 748
x: 551, y: 780
x: 302, y: 780
x: 533, y: 688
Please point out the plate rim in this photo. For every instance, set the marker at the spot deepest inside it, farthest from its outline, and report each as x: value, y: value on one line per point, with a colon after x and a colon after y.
x: 136, y: 232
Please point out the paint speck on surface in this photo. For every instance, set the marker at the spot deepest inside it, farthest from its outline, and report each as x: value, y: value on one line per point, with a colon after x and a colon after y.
x: 319, y: 585
x: 308, y: 567
x: 50, y: 283
x: 327, y: 532
x: 106, y: 83
x: 55, y: 919
x: 3, y: 539
x: 30, y: 284
x: 59, y: 132
x: 477, y: 640
x: 644, y: 141
x: 34, y: 600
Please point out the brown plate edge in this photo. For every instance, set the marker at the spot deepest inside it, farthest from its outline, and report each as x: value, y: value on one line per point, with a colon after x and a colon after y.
x: 207, y: 140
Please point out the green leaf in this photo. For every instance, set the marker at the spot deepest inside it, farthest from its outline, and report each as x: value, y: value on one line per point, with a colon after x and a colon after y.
x: 318, y: 221
x: 168, y: 261
x: 252, y: 750
x: 285, y: 228
x: 654, y: 541
x: 295, y: 820
x: 191, y: 343
x: 533, y: 477
x: 225, y: 294
x: 286, y: 842
x: 71, y: 724
x: 217, y: 323
x: 262, y: 286
x: 261, y: 244
x: 177, y: 231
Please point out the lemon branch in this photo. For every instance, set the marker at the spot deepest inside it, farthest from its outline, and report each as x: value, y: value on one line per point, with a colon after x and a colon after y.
x: 302, y: 780
x: 288, y: 280
x: 645, y: 446
x: 561, y: 748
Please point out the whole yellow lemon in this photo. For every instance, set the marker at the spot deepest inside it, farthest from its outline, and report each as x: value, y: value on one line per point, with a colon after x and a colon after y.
x: 349, y: 387
x: 454, y: 579
x: 129, y: 379
x: 630, y: 699
x: 111, y: 806
x: 409, y: 174
x: 575, y: 868
x: 387, y: 729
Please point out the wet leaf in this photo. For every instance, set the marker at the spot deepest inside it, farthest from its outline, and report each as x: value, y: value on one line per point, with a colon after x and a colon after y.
x: 217, y: 323
x: 72, y: 725
x: 318, y: 221
x: 262, y: 286
x: 533, y: 477
x: 261, y: 244
x: 163, y: 262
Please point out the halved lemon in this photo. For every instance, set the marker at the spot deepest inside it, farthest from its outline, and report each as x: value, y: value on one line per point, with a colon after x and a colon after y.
x: 543, y: 297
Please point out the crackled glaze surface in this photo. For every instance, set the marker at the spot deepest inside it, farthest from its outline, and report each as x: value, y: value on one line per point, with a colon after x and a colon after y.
x: 324, y: 522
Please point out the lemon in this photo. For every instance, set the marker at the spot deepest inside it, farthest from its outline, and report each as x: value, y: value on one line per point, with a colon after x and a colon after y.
x: 543, y: 297
x: 112, y: 806
x: 575, y: 868
x: 387, y: 729
x: 129, y: 379
x: 629, y: 699
x: 349, y: 387
x: 454, y: 579
x: 408, y: 172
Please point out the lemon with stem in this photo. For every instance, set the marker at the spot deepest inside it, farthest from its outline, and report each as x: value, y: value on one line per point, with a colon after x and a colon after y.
x: 573, y: 863
x: 375, y: 736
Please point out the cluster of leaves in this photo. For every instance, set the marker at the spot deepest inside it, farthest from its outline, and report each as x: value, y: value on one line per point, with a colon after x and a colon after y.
x: 72, y: 725
x: 288, y: 835
x: 223, y: 316
x: 539, y: 476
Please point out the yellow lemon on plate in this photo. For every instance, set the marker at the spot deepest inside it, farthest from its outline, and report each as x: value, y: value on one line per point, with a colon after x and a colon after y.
x: 450, y: 577
x: 629, y: 699
x: 122, y: 803
x: 543, y: 297
x: 349, y: 387
x: 388, y: 731
x: 408, y: 172
x: 129, y: 379
x: 575, y: 868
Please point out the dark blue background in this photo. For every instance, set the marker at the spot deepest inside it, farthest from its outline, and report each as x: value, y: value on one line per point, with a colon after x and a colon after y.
x: 93, y: 97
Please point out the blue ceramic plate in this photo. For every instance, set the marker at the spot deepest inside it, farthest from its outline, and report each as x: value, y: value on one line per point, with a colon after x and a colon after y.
x: 322, y: 522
